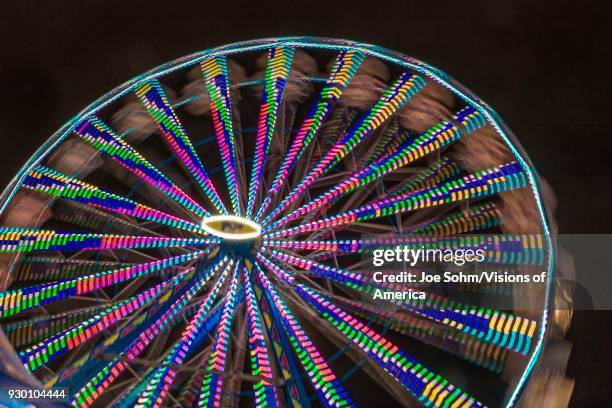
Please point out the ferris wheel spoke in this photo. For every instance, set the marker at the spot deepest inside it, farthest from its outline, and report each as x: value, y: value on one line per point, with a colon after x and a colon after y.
x: 59, y: 185
x: 426, y: 386
x: 212, y: 387
x: 291, y: 381
x: 216, y: 78
x: 277, y: 73
x: 393, y: 135
x: 409, y: 373
x: 89, y: 393
x: 100, y: 136
x: 345, y: 66
x: 430, y: 176
x: 406, y: 86
x: 477, y: 185
x: 435, y: 139
x: 19, y: 300
x: 265, y: 392
x: 347, y: 278
x: 500, y: 328
x: 191, y: 387
x: 49, y: 349
x: 153, y: 97
x: 328, y: 387
x: 475, y: 218
x: 470, y: 348
x: 162, y: 378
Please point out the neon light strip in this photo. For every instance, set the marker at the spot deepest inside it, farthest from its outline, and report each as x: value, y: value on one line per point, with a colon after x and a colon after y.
x: 153, y: 97
x: 216, y: 78
x: 294, y: 390
x: 344, y: 69
x: 325, y: 382
x: 156, y: 391
x: 428, y: 387
x: 48, y: 350
x: 100, y: 136
x: 404, y: 88
x: 87, y: 395
x: 19, y: 300
x: 277, y: 72
x: 481, y: 184
x: 265, y: 392
x: 431, y: 176
x: 436, y: 138
x: 212, y: 387
x: 54, y: 183
x: 30, y: 240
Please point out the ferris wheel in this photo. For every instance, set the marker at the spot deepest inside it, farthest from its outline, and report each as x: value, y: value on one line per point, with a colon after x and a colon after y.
x: 198, y: 237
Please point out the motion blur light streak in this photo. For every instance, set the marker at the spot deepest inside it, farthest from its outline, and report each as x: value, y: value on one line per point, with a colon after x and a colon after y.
x: 220, y: 261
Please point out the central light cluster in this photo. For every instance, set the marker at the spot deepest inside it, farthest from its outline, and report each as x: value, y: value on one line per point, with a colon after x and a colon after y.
x: 231, y: 227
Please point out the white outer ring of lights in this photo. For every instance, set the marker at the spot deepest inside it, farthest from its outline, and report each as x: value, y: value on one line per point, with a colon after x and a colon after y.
x: 230, y: 236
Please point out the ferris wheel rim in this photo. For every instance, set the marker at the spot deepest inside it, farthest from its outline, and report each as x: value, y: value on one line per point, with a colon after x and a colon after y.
x: 315, y: 42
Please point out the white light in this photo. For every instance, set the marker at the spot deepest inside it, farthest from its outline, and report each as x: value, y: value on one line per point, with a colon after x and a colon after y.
x: 234, y: 219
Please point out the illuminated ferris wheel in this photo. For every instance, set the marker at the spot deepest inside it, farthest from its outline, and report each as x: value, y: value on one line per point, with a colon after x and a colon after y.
x: 197, y: 237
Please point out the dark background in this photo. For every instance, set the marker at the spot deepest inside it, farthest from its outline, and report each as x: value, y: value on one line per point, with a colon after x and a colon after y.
x: 544, y: 66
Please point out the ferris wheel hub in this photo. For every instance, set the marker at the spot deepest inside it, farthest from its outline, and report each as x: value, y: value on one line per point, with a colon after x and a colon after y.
x: 231, y: 227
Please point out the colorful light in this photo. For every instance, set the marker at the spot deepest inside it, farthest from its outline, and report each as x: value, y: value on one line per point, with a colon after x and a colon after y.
x: 19, y: 300
x: 404, y: 88
x: 59, y: 185
x: 481, y: 184
x: 101, y: 137
x: 210, y: 395
x: 216, y: 79
x: 34, y: 240
x: 277, y: 73
x: 153, y: 97
x: 162, y: 378
x: 344, y: 69
x: 35, y: 357
x: 87, y: 395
